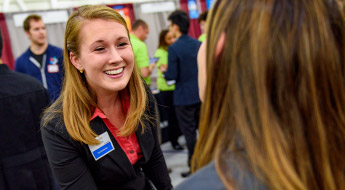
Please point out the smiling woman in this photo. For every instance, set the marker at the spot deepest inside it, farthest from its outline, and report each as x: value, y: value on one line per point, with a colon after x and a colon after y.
x: 106, y: 56
x: 100, y: 133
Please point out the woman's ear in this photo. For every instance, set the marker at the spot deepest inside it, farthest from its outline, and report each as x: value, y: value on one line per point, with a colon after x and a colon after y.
x: 75, y: 61
x: 220, y: 44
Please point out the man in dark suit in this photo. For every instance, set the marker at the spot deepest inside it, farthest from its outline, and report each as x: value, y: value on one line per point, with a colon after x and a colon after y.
x: 23, y: 162
x: 182, y: 67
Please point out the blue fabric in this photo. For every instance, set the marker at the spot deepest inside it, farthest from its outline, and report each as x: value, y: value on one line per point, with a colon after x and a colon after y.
x: 207, y: 177
x: 182, y: 67
x: 54, y: 55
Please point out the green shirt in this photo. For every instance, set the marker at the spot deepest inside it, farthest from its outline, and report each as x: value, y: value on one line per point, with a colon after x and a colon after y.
x: 163, y: 60
x: 202, y: 37
x: 141, y: 57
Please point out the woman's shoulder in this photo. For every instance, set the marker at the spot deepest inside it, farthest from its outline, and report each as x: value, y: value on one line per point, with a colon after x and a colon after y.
x: 205, y: 178
x: 160, y: 51
x: 208, y: 178
x: 52, y: 119
x: 53, y: 127
x: 239, y: 169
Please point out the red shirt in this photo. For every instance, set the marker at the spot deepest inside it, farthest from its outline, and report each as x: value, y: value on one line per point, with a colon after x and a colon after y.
x: 129, y: 145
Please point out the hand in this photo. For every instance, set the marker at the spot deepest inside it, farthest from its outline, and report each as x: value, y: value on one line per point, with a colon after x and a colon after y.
x: 152, y: 66
x: 163, y: 68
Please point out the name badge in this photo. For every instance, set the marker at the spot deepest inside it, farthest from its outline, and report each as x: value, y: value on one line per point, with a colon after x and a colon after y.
x: 53, y: 68
x: 102, y: 149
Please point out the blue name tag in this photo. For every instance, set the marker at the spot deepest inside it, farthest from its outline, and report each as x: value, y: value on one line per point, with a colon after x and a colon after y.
x: 102, y: 149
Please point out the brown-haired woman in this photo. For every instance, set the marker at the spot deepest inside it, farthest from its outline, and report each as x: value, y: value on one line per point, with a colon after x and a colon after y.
x: 274, y: 98
x: 101, y: 132
x: 165, y: 97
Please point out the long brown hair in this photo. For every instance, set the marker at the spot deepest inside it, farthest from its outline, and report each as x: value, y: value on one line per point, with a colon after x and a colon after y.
x: 162, y: 43
x: 78, y: 101
x: 278, y: 87
x: 341, y: 4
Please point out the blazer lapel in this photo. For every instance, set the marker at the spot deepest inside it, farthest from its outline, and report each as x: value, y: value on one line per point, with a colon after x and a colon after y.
x: 145, y: 140
x: 118, y: 156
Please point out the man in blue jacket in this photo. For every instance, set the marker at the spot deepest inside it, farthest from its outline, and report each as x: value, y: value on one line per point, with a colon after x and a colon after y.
x: 182, y: 67
x: 42, y: 60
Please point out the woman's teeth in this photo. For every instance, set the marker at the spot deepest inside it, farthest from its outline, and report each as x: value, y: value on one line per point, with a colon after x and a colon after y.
x: 114, y: 72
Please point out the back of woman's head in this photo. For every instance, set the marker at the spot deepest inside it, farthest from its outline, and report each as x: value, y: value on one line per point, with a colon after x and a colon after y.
x: 278, y: 86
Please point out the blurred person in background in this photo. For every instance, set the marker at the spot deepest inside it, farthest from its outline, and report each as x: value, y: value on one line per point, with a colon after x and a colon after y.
x: 182, y: 67
x: 273, y: 99
x: 23, y: 161
x: 202, y: 21
x: 41, y: 60
x: 101, y: 133
x: 165, y: 98
x: 138, y: 35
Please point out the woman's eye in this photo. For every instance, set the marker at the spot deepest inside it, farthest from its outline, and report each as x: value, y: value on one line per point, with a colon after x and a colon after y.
x: 99, y: 49
x: 123, y: 44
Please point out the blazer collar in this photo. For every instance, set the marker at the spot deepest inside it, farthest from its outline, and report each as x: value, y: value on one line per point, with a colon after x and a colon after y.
x: 118, y: 156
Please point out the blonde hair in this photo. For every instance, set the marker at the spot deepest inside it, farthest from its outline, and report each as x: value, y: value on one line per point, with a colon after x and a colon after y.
x: 276, y: 92
x: 78, y: 101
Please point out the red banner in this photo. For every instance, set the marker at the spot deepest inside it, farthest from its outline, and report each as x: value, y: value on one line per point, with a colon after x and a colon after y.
x: 7, y: 55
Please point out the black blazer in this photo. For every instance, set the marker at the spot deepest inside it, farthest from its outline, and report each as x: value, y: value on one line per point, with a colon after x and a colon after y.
x: 23, y: 161
x: 75, y: 167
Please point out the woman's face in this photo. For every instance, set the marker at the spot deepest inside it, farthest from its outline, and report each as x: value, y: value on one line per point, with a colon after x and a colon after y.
x: 169, y: 38
x: 202, y: 70
x: 106, y: 56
